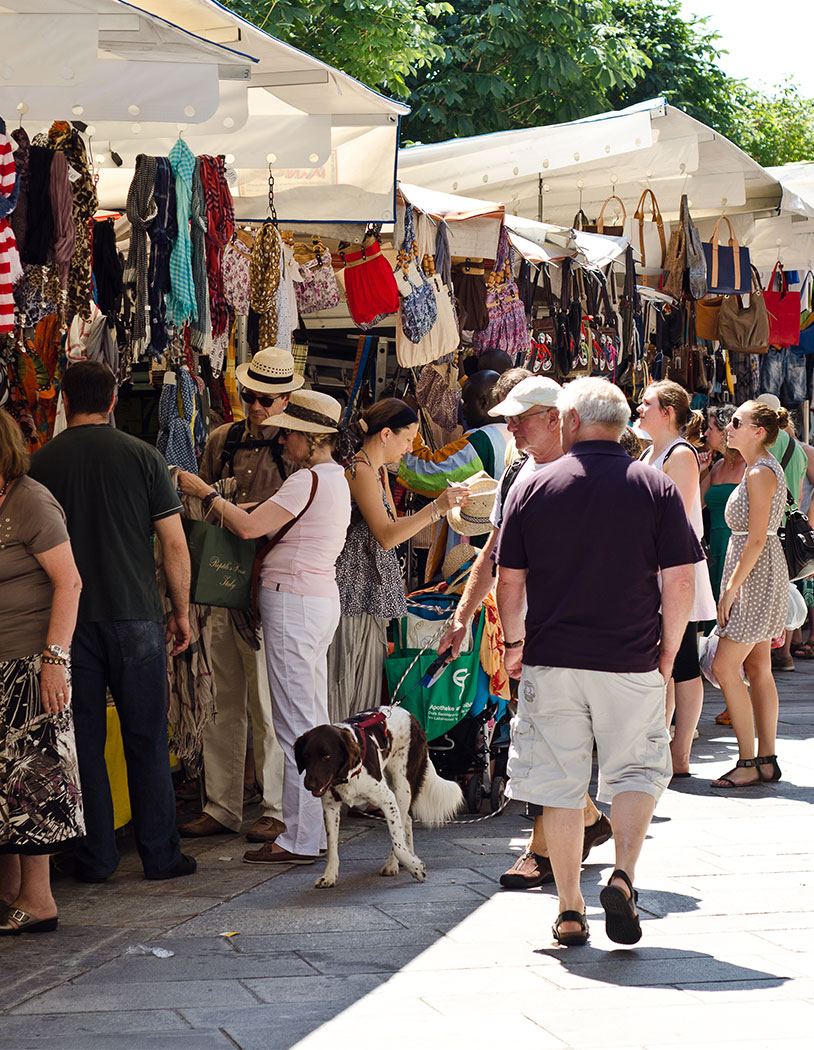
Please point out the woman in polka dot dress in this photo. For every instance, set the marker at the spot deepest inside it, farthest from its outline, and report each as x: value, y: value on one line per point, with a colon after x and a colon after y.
x: 754, y: 595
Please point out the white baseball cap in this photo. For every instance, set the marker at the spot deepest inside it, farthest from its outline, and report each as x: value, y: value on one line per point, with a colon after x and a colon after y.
x: 772, y: 400
x: 536, y: 391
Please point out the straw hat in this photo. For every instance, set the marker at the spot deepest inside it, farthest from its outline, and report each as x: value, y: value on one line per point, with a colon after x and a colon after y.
x: 459, y: 555
x: 270, y: 371
x: 473, y: 519
x: 308, y: 411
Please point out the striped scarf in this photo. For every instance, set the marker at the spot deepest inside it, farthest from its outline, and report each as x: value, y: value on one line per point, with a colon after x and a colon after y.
x: 10, y: 267
x: 141, y: 211
x: 221, y: 225
x: 264, y: 273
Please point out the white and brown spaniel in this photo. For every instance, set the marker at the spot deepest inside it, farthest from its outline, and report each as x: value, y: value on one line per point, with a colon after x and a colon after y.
x: 379, y: 757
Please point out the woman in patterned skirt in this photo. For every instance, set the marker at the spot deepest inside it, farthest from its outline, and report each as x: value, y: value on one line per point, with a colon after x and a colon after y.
x: 754, y: 595
x: 40, y: 802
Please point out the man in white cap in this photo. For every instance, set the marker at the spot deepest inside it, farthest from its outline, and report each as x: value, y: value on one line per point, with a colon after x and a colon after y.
x: 249, y: 453
x: 529, y: 408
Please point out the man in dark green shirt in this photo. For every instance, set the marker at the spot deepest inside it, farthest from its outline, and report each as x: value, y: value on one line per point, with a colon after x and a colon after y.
x: 116, y: 492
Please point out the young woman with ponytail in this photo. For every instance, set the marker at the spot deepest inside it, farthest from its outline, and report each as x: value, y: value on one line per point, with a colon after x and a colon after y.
x: 371, y: 588
x: 675, y: 431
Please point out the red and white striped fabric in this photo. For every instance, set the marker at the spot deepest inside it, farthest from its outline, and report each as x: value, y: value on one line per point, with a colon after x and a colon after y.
x: 10, y: 266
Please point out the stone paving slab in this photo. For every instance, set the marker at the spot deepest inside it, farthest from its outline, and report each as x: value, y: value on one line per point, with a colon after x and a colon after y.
x: 726, y: 959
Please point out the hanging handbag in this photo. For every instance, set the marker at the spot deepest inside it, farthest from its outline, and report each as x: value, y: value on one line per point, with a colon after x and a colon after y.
x: 707, y: 311
x: 220, y: 565
x: 728, y: 266
x: 369, y: 284
x: 418, y: 310
x: 508, y: 327
x: 610, y: 230
x: 318, y: 289
x: 806, y: 343
x: 678, y: 368
x: 783, y: 307
x: 696, y: 263
x: 648, y: 238
x: 675, y: 264
x: 744, y: 329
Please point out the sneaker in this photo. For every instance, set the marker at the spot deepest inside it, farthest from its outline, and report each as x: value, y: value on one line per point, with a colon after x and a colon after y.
x: 527, y: 872
x: 596, y: 834
x: 270, y: 853
x: 265, y: 829
x: 183, y: 866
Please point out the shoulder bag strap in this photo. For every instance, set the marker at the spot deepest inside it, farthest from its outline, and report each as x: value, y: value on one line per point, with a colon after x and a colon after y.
x: 784, y: 462
x: 264, y: 551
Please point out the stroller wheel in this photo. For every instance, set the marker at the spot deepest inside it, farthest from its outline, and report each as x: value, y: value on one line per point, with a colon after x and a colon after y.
x: 497, y: 796
x: 474, y: 793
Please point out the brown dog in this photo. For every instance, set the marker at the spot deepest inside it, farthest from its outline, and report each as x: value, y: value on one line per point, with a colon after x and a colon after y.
x: 379, y: 757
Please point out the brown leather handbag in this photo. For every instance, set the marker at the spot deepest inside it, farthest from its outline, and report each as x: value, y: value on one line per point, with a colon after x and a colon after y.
x: 745, y: 329
x: 600, y: 227
x: 706, y: 317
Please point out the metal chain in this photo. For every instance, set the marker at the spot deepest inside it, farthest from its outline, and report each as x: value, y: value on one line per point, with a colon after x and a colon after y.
x: 272, y: 209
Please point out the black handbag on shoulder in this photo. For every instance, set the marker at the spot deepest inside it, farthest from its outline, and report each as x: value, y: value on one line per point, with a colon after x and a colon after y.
x: 796, y: 535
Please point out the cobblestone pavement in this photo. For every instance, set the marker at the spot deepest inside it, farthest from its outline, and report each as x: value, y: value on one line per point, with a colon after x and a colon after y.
x: 726, y: 960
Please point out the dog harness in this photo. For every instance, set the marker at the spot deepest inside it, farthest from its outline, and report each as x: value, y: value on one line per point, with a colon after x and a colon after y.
x: 361, y: 724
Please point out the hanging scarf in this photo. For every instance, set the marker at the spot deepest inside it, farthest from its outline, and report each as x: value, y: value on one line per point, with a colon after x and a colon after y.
x: 40, y: 217
x: 18, y: 220
x: 107, y: 271
x: 220, y: 227
x: 61, y: 198
x: 264, y: 273
x: 141, y: 211
x: 181, y: 300
x: 200, y: 328
x: 10, y: 266
x: 162, y: 234
x: 67, y: 139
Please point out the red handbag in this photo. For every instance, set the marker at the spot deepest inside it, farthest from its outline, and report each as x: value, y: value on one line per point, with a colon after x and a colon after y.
x: 783, y: 307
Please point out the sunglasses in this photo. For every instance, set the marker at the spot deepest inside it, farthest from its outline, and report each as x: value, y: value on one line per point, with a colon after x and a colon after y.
x: 737, y: 423
x: 249, y: 396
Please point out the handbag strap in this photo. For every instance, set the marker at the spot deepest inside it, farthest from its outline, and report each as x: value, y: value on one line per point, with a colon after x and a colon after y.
x: 784, y: 284
x: 655, y: 216
x: 266, y: 549
x: 580, y: 220
x: 600, y: 222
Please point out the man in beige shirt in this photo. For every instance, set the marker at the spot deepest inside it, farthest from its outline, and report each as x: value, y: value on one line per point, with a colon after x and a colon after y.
x: 253, y: 457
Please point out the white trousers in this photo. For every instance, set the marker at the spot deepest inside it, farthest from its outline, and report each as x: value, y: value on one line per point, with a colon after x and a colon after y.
x: 240, y: 680
x: 298, y: 630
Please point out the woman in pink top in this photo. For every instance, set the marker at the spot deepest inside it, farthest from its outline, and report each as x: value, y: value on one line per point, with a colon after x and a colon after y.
x: 299, y: 600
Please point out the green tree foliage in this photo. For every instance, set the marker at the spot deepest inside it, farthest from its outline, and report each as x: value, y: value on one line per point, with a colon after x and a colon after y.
x: 380, y: 42
x: 774, y: 128
x: 517, y: 63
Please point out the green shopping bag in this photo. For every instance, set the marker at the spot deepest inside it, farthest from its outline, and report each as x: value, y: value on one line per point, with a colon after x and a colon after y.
x: 463, y: 684
x: 221, y: 565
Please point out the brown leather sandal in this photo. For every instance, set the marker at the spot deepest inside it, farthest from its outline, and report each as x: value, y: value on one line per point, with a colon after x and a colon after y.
x: 576, y: 937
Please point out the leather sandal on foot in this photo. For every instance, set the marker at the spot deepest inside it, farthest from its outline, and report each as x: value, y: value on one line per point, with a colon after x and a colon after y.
x: 742, y: 763
x: 621, y: 918
x: 18, y: 921
x: 528, y: 871
x: 595, y: 834
x: 768, y: 760
x: 576, y: 937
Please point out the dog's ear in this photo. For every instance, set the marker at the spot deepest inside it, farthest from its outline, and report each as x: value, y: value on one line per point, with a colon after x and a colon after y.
x: 353, y: 753
x: 299, y: 750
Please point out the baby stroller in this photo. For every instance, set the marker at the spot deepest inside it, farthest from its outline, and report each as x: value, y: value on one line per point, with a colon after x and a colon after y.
x: 466, y: 727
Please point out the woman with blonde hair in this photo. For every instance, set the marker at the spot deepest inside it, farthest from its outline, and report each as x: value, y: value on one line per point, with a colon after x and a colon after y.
x: 367, y: 571
x: 675, y: 431
x: 754, y: 595
x: 40, y: 800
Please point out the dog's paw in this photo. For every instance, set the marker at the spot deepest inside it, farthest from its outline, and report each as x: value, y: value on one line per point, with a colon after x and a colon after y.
x: 419, y: 873
x: 390, y: 868
x: 325, y: 882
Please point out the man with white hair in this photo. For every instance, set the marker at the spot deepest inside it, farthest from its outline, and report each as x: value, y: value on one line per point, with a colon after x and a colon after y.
x: 594, y: 666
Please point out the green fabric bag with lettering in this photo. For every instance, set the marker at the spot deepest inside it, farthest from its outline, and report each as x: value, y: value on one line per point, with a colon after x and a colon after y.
x: 463, y: 684
x: 221, y: 565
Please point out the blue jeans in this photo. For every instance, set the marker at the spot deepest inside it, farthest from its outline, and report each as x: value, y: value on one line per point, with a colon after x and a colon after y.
x: 783, y: 373
x: 129, y: 657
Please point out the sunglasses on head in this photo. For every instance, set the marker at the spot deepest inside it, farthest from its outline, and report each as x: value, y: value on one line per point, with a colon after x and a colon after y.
x: 249, y: 396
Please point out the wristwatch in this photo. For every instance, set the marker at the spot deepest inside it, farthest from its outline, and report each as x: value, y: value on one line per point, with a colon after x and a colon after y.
x: 513, y: 645
x: 57, y: 651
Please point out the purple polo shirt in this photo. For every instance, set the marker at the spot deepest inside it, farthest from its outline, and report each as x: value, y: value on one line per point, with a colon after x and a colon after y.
x: 593, y: 529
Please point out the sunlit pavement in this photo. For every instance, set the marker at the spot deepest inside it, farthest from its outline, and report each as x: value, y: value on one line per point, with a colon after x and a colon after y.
x: 726, y: 959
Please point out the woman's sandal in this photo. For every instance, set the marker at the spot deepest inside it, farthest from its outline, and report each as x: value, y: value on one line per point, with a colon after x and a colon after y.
x: 768, y: 760
x: 621, y: 918
x: 742, y: 763
x: 576, y: 937
x: 18, y: 921
x: 804, y: 651
x: 723, y: 719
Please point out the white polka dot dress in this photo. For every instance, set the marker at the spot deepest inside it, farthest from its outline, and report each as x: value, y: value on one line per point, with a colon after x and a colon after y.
x: 761, y: 606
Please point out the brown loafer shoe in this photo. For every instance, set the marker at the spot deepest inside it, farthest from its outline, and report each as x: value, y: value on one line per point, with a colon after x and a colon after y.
x: 265, y: 829
x: 271, y: 853
x: 596, y: 834
x: 202, y: 826
x: 528, y: 871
